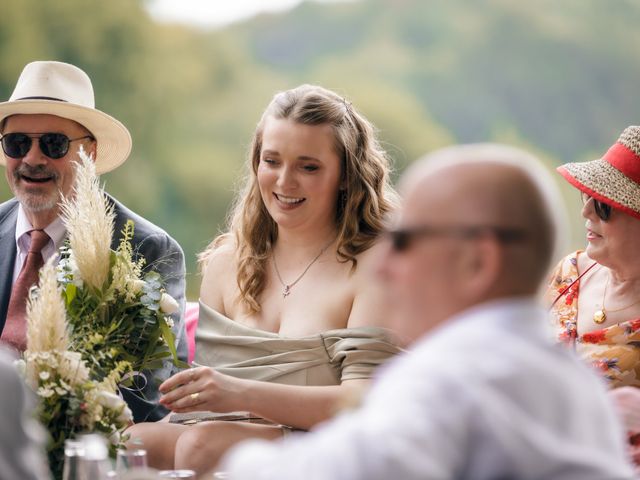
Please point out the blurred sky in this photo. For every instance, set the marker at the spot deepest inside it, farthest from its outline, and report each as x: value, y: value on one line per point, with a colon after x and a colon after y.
x: 216, y: 13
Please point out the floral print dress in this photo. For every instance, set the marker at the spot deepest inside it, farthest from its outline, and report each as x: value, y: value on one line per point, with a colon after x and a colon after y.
x: 614, y: 350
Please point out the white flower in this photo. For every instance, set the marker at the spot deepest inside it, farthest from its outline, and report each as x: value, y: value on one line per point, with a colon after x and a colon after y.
x: 72, y: 368
x: 64, y: 384
x: 45, y: 355
x: 114, y: 438
x: 169, y: 321
x: 44, y: 375
x: 168, y: 304
x: 45, y: 392
x: 109, y: 400
x: 60, y: 391
x: 125, y: 415
x: 75, y: 271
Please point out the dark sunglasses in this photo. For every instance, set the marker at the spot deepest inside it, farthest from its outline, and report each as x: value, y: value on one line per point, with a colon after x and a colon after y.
x: 602, y: 209
x: 401, y: 239
x: 53, y: 145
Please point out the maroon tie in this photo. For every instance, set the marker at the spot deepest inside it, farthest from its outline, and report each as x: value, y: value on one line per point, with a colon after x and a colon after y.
x: 15, y: 326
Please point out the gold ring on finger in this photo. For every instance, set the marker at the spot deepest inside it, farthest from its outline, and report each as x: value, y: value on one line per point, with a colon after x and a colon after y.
x: 194, y: 396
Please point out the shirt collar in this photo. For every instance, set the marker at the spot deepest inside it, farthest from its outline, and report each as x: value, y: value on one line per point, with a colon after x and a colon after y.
x: 56, y: 229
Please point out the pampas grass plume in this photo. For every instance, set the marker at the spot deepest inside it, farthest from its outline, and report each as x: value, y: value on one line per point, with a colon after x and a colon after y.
x: 46, y: 315
x: 89, y: 222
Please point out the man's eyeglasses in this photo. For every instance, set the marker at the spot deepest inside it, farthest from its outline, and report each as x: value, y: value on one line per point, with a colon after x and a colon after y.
x: 401, y: 239
x: 53, y: 145
x: 602, y: 209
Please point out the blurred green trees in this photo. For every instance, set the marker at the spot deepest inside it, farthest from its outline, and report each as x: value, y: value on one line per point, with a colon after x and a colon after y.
x: 557, y: 77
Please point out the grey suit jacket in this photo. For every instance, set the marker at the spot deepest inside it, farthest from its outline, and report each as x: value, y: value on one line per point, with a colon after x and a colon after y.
x: 162, y: 253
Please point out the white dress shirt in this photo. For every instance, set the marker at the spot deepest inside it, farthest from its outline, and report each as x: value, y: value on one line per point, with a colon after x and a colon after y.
x: 56, y: 231
x: 485, y: 396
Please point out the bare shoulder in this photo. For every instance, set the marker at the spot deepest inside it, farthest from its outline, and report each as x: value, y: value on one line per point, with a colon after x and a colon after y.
x: 369, y: 302
x: 218, y: 274
x: 368, y: 259
x: 584, y: 261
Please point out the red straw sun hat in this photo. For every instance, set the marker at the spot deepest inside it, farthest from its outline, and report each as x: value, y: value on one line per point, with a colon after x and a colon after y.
x: 613, y: 179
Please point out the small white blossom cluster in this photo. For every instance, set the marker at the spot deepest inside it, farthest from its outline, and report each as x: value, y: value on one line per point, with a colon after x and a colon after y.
x: 64, y: 367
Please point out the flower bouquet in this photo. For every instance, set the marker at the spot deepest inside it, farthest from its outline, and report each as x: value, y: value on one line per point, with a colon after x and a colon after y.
x: 93, y: 324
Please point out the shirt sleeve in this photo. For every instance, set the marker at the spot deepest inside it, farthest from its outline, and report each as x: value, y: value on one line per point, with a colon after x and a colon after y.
x: 389, y: 438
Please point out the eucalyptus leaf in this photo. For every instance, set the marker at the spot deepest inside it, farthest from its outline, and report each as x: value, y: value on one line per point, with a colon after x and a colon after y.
x: 155, y: 295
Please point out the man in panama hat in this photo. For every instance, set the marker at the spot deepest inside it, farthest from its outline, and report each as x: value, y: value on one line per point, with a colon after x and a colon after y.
x: 50, y: 115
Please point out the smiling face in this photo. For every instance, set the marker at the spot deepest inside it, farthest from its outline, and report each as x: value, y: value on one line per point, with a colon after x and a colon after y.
x: 36, y: 180
x: 299, y: 174
x: 613, y: 242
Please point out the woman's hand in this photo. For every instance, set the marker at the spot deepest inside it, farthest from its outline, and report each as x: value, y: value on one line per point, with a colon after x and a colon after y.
x: 202, y: 388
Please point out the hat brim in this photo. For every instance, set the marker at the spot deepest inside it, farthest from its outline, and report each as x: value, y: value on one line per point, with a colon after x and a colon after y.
x: 600, y: 180
x: 112, y: 137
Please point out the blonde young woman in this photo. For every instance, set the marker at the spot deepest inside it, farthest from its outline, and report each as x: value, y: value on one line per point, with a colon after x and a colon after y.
x: 288, y: 320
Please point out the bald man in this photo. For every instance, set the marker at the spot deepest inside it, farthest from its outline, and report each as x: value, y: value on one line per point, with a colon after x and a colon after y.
x: 482, y: 392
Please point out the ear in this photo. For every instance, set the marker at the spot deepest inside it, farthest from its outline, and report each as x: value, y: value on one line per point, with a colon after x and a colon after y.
x: 92, y: 149
x: 481, y: 263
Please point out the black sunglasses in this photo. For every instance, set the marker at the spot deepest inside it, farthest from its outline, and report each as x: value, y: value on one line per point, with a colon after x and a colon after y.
x: 602, y: 209
x: 401, y: 239
x: 53, y: 145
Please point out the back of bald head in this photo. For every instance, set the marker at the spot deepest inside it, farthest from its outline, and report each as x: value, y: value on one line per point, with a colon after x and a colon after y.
x: 496, y: 185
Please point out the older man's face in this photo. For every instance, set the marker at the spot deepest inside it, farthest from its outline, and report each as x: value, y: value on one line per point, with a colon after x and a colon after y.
x: 36, y: 180
x: 421, y: 279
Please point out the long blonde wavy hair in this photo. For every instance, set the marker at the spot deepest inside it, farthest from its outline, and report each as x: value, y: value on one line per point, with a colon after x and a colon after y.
x: 366, y: 197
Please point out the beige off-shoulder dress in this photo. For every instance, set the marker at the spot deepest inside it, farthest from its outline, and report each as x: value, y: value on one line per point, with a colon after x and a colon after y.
x: 326, y: 358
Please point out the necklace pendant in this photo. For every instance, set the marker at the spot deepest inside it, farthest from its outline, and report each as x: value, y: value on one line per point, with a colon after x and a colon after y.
x: 600, y: 316
x: 286, y: 291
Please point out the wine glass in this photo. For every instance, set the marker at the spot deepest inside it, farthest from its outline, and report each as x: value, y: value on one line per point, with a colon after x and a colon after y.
x: 177, y: 474
x: 131, y: 459
x: 73, y: 460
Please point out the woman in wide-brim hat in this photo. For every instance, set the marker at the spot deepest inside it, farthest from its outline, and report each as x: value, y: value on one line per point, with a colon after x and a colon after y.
x: 595, y: 293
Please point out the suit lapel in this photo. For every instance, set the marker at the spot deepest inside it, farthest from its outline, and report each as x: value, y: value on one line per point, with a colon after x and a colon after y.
x: 8, y: 220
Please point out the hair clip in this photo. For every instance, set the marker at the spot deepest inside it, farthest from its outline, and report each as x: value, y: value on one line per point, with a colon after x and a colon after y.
x: 347, y: 104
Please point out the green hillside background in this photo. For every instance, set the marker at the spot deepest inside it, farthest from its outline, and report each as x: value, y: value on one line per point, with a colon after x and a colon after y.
x: 558, y: 78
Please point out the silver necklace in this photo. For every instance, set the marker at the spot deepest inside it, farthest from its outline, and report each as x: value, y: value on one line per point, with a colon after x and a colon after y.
x: 287, y: 287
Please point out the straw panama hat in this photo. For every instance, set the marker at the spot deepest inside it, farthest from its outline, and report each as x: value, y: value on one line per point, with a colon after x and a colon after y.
x: 61, y: 89
x: 613, y: 179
